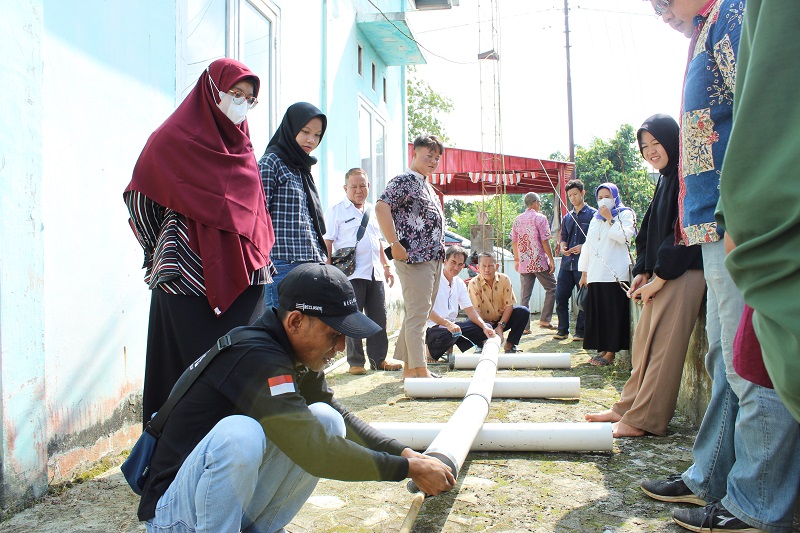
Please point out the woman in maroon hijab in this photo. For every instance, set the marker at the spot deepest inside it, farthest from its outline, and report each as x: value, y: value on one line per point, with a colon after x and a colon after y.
x: 198, y: 209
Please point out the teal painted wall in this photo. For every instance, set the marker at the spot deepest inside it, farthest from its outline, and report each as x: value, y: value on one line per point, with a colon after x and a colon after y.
x: 92, y: 79
x: 109, y: 81
x: 346, y: 90
x: 23, y: 469
x: 89, y: 81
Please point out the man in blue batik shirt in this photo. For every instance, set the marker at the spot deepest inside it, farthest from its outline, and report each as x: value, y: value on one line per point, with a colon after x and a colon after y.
x: 747, y: 450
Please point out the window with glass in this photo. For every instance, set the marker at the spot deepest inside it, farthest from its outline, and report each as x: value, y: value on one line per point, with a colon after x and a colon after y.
x: 241, y: 29
x: 372, y: 148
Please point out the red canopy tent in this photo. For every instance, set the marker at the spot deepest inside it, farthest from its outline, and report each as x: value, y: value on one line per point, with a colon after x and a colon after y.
x: 467, y: 173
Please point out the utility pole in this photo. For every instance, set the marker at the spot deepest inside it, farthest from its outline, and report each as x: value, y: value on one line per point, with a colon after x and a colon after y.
x: 569, y: 87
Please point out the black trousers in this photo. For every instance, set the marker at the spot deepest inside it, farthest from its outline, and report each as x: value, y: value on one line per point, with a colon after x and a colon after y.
x: 371, y: 300
x: 439, y: 339
x: 181, y: 329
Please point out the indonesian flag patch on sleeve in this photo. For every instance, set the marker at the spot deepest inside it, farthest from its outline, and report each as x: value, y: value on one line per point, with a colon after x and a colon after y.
x: 280, y: 385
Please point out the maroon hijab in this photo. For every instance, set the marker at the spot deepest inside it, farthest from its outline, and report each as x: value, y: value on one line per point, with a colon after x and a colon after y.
x: 202, y: 165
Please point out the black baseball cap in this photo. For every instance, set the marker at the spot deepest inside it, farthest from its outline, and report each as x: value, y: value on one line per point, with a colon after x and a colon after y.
x: 323, y: 291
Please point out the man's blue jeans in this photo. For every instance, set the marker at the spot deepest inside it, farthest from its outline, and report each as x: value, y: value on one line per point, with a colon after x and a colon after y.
x: 237, y: 480
x: 567, y: 281
x: 747, y: 451
x: 271, y: 292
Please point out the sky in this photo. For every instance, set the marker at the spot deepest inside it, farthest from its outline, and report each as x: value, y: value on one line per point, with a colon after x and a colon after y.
x: 626, y: 65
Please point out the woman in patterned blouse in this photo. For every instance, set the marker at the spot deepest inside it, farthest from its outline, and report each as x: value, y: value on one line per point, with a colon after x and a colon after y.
x: 411, y: 218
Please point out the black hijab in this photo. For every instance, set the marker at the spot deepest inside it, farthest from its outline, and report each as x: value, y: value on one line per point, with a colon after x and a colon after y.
x: 666, y: 131
x: 284, y: 145
x: 655, y: 244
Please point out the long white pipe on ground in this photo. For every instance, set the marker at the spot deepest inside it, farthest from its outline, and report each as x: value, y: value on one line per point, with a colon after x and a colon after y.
x: 507, y: 437
x: 514, y: 360
x: 452, y: 443
x: 503, y: 387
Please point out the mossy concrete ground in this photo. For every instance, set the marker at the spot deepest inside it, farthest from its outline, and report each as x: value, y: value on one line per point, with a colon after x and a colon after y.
x: 510, y: 491
x: 497, y: 492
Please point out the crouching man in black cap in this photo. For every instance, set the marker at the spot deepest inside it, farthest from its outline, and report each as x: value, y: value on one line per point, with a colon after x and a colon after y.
x: 245, y: 446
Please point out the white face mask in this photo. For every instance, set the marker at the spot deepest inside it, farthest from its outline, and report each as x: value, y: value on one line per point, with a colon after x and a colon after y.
x: 606, y: 202
x: 236, y: 112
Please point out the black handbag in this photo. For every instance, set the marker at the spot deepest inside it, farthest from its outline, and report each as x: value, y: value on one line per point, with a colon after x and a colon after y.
x: 137, y: 466
x: 580, y: 298
x: 345, y: 258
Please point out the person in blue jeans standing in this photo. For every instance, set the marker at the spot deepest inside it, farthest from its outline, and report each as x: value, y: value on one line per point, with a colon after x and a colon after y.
x: 573, y: 234
x: 747, y: 451
x: 291, y: 194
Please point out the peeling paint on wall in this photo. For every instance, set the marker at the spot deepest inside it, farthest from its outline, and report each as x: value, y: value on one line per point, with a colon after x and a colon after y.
x: 71, y: 454
x: 75, y: 433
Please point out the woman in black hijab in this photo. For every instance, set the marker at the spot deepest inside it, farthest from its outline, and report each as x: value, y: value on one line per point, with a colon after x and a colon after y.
x: 292, y: 198
x: 669, y: 281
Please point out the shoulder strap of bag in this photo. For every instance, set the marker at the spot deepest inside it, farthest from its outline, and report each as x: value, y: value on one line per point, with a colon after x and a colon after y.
x: 156, y: 424
x: 627, y: 242
x: 363, y: 227
x: 627, y: 245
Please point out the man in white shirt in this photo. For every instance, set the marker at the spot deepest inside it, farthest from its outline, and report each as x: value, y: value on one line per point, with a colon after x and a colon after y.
x: 343, y: 221
x: 443, y: 331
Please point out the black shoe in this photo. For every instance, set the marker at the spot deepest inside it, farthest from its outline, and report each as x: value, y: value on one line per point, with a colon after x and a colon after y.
x: 672, y: 489
x: 712, y: 517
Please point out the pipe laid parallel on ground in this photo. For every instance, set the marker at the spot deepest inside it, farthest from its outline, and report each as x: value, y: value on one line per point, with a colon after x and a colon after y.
x: 507, y: 437
x: 503, y: 387
x: 513, y: 360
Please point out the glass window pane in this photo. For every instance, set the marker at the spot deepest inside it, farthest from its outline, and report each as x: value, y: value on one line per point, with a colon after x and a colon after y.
x: 379, y: 177
x: 255, y: 38
x: 205, y: 40
x: 365, y: 140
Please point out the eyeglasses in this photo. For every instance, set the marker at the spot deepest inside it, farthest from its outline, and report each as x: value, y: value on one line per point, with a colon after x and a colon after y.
x: 237, y: 94
x: 239, y: 97
x: 661, y: 7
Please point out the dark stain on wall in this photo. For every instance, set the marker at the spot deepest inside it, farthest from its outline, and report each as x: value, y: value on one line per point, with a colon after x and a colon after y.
x: 128, y: 413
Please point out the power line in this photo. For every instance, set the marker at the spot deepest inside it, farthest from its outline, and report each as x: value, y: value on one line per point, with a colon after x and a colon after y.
x: 478, y: 22
x: 614, y: 11
x: 411, y: 38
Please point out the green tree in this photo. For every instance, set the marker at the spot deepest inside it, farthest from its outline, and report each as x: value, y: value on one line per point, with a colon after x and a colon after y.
x: 453, y: 209
x: 502, y: 209
x: 424, y: 106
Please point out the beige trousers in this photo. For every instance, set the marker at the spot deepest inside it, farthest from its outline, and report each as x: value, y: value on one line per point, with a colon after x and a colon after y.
x: 659, y: 350
x: 420, y: 283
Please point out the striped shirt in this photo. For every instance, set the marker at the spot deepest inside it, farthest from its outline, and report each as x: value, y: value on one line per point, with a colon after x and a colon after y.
x: 295, y: 237
x: 169, y: 262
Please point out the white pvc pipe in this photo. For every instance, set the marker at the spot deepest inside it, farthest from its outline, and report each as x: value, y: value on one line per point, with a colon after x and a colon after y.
x: 506, y: 437
x: 453, y: 442
x: 514, y: 360
x: 503, y: 387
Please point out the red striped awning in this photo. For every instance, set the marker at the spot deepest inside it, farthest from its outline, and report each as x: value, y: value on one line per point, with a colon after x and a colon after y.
x: 467, y: 172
